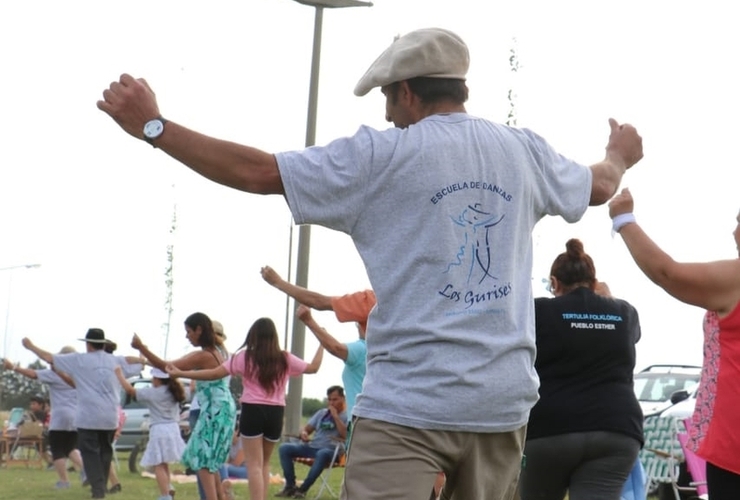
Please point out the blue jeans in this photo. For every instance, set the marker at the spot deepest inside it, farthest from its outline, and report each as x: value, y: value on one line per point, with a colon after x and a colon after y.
x: 234, y: 472
x: 322, y: 459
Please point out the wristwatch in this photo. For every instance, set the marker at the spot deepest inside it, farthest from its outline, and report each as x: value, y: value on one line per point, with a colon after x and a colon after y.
x: 153, y: 129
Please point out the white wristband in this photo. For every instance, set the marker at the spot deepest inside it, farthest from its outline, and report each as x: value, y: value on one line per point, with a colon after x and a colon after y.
x: 622, y: 220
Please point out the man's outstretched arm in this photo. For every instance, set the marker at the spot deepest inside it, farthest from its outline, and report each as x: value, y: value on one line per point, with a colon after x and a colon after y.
x: 314, y: 300
x: 131, y: 104
x: 328, y: 342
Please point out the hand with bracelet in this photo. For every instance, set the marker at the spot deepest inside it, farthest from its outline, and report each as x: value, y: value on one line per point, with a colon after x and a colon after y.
x: 620, y: 210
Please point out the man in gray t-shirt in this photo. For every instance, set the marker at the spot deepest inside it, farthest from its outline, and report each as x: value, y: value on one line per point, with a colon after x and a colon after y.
x: 441, y: 209
x: 98, y: 397
x: 329, y: 429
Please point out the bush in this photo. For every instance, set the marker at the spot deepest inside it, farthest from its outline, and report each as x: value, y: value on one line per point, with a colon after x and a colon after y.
x: 311, y: 406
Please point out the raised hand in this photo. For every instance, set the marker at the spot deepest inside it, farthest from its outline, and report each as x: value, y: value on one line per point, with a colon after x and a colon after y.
x: 270, y: 275
x: 621, y: 203
x: 303, y: 313
x: 624, y: 142
x: 131, y: 103
x: 136, y: 342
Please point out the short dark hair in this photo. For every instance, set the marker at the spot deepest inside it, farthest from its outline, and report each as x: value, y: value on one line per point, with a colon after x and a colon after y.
x: 431, y: 90
x: 38, y: 398
x: 335, y: 388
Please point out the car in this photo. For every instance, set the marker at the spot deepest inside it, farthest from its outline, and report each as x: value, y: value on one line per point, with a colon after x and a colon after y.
x: 656, y: 384
x: 136, y: 427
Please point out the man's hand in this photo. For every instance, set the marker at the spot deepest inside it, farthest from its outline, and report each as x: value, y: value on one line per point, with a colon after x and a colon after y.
x: 7, y: 364
x: 303, y: 313
x: 304, y: 436
x: 621, y: 204
x: 27, y: 343
x: 131, y: 103
x: 333, y: 411
x: 269, y: 275
x: 625, y: 144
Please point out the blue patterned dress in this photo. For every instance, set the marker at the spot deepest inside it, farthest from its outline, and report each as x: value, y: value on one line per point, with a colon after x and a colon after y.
x: 210, y: 441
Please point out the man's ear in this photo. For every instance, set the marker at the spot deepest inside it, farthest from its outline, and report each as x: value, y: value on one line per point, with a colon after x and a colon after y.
x: 404, y: 93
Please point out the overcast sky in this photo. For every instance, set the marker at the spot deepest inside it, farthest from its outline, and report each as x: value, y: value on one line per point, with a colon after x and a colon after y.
x: 94, y: 206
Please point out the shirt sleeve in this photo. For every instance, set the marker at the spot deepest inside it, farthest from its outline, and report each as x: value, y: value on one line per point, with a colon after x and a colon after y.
x: 65, y: 362
x: 356, y: 353
x: 354, y: 306
x: 129, y: 370
x: 564, y: 186
x: 145, y: 394
x: 235, y: 364
x: 296, y: 366
x: 46, y: 376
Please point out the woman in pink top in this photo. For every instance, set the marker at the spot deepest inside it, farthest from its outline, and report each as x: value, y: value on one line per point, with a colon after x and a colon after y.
x: 265, y: 370
x: 714, y: 286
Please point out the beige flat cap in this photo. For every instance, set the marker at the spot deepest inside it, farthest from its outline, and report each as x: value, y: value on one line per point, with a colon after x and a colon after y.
x: 429, y: 52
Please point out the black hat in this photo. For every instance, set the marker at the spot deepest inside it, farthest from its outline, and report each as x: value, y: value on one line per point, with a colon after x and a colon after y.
x: 95, y: 336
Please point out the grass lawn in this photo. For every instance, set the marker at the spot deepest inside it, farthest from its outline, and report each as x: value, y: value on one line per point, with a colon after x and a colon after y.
x: 18, y: 482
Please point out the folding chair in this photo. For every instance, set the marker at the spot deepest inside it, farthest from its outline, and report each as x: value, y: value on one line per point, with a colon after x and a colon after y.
x: 696, y: 466
x: 337, y: 461
x: 661, y: 454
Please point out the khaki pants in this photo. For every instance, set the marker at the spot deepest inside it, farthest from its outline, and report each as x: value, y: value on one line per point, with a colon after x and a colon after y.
x: 392, y: 462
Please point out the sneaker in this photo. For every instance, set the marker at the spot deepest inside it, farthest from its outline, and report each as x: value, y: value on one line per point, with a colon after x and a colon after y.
x: 61, y: 485
x: 286, y: 492
x: 228, y: 489
x: 116, y: 488
x: 299, y: 494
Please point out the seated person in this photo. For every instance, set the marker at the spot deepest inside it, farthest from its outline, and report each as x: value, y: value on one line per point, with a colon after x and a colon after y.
x: 236, y: 466
x: 38, y: 409
x: 330, y: 427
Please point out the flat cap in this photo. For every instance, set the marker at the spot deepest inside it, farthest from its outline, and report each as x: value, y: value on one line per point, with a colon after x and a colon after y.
x: 428, y: 52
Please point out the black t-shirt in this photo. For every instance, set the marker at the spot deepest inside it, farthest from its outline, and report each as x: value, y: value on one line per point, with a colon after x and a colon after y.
x: 585, y: 361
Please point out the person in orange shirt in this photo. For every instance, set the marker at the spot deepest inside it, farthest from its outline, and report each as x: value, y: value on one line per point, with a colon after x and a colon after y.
x: 351, y: 307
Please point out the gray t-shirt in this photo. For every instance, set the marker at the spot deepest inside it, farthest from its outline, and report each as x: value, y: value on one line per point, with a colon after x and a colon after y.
x: 63, y: 398
x: 442, y: 214
x: 98, y: 390
x: 325, y: 434
x: 163, y: 409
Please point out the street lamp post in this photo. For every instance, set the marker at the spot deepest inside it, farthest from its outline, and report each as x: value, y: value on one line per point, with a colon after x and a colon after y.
x: 7, y: 312
x: 297, y: 347
x: 7, y: 308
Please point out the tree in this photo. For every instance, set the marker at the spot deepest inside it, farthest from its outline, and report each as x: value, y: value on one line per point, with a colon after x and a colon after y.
x: 17, y: 389
x: 312, y: 405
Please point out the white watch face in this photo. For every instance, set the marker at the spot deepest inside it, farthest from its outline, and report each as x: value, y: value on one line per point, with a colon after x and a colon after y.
x: 153, y: 128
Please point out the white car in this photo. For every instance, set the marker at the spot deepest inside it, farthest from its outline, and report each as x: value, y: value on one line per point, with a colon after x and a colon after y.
x: 656, y: 384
